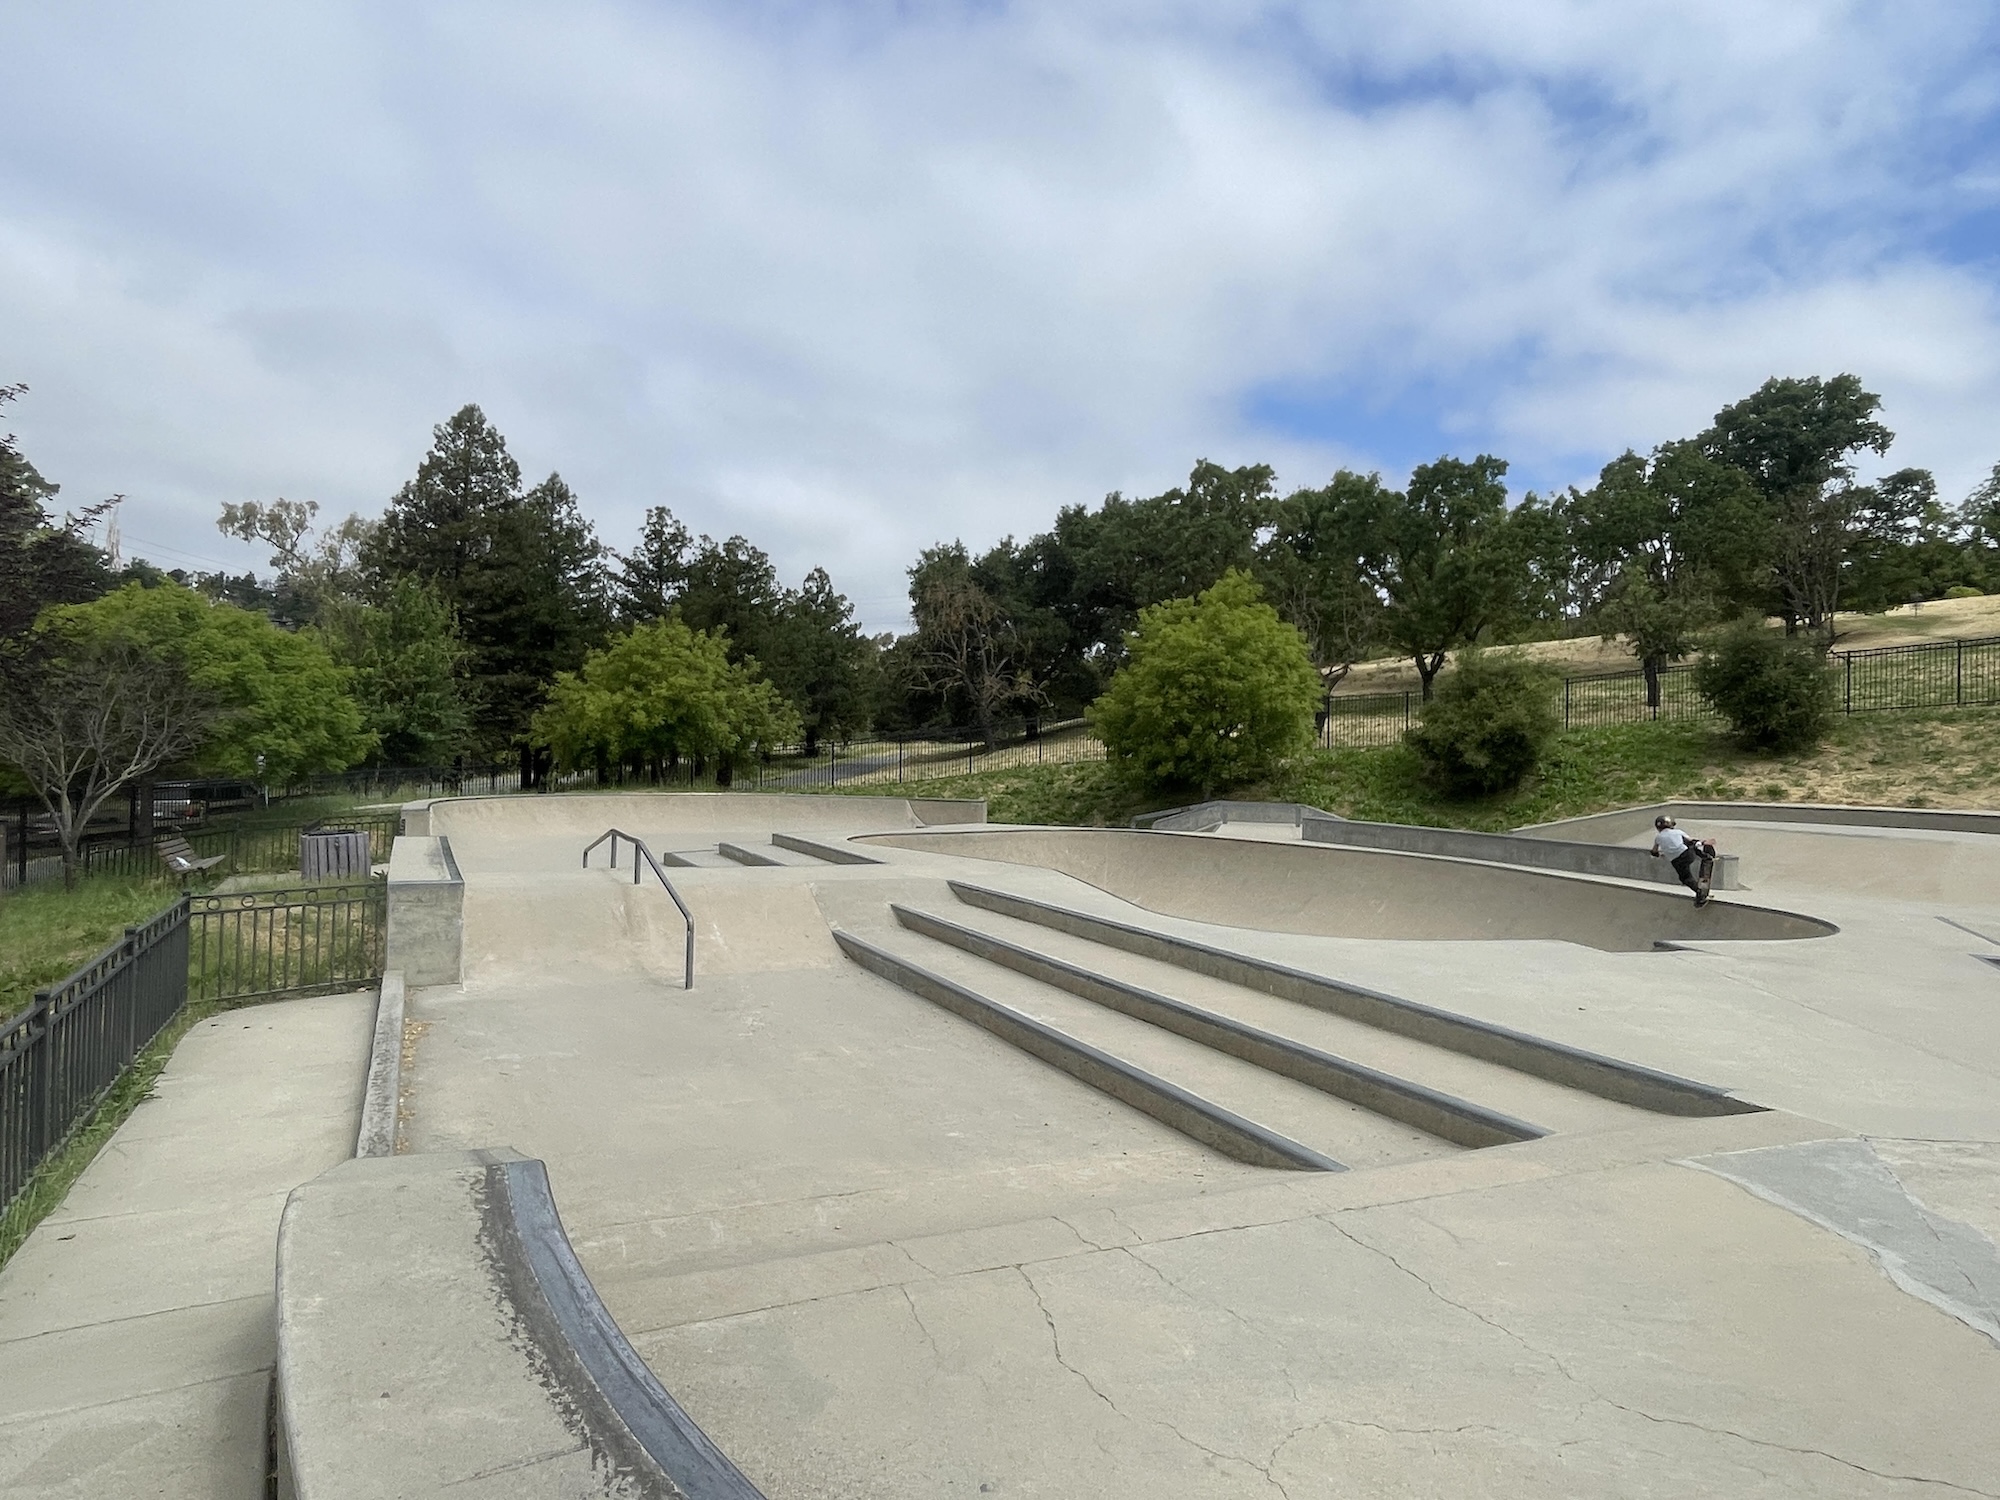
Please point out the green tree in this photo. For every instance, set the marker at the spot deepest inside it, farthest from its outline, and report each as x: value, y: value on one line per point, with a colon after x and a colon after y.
x: 657, y: 694
x: 1796, y: 440
x: 1312, y: 565
x: 283, y: 708
x: 1441, y: 558
x: 42, y: 562
x: 966, y: 654
x: 522, y: 573
x: 1657, y: 542
x: 1215, y: 691
x: 405, y: 658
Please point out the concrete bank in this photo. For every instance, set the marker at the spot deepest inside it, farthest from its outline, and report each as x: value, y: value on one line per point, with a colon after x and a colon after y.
x: 136, y: 1340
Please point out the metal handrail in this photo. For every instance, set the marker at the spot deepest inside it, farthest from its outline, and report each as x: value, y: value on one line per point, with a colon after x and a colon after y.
x: 639, y: 846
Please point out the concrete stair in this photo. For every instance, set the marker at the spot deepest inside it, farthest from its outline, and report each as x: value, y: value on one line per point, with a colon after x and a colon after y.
x: 1211, y: 1042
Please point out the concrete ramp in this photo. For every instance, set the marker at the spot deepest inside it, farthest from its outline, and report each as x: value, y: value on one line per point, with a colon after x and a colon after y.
x: 1364, y: 893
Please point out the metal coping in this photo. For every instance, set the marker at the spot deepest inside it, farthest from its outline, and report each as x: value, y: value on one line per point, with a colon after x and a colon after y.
x: 1152, y: 1095
x: 693, y: 1466
x: 1648, y: 1088
x: 1477, y: 1125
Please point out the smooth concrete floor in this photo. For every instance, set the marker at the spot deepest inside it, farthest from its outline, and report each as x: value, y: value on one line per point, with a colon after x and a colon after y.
x: 877, y: 1252
x: 136, y: 1324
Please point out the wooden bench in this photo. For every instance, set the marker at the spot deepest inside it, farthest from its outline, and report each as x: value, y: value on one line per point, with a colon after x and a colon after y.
x: 178, y: 855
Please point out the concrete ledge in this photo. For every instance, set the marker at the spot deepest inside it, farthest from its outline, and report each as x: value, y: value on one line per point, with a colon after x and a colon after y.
x: 436, y: 1336
x: 1202, y: 817
x: 377, y: 1136
x: 1193, y: 1116
x: 1626, y: 822
x: 1510, y: 849
x: 426, y: 936
x: 1606, y: 1077
x: 744, y: 856
x: 1444, y: 1115
x: 833, y: 854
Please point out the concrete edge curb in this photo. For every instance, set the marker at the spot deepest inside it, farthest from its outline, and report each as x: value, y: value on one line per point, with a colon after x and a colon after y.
x: 1592, y: 1072
x: 749, y: 857
x: 1173, y: 1106
x: 1833, y: 814
x: 1446, y: 1116
x: 383, y: 1096
x: 695, y: 1467
x: 833, y: 854
x: 1536, y: 853
x: 369, y: 1251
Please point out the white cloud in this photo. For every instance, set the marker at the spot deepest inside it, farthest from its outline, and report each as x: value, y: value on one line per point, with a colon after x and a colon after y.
x: 855, y: 280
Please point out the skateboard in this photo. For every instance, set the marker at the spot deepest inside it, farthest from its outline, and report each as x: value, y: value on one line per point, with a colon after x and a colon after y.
x: 1702, y: 894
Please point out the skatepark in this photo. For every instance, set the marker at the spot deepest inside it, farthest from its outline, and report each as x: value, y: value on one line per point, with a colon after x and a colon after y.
x: 1088, y: 1162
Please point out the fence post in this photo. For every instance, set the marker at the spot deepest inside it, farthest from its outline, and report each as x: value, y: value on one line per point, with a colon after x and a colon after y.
x: 1565, y: 703
x: 1406, y: 712
x: 899, y: 760
x: 1848, y: 662
x: 1959, y: 692
x: 41, y: 1103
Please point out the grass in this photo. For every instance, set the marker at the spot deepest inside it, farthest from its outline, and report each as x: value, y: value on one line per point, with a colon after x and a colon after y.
x: 1940, y: 758
x: 48, y: 933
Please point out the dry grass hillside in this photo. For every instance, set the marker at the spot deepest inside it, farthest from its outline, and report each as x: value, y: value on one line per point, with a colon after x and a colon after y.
x: 1582, y: 655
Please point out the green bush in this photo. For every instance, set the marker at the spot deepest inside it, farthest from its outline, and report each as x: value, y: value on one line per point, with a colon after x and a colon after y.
x: 1488, y: 724
x: 1775, y: 691
x: 1964, y: 591
x: 1216, y: 691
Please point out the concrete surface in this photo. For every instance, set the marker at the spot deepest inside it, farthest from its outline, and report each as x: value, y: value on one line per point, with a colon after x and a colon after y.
x: 136, y: 1327
x: 877, y: 1251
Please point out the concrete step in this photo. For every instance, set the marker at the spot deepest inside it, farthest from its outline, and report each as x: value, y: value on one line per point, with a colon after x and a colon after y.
x: 1348, y: 1133
x: 1607, y: 1078
x: 1457, y: 1120
x: 1554, y: 1107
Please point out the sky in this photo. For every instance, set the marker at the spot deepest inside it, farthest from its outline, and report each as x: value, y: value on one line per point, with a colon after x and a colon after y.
x: 853, y: 279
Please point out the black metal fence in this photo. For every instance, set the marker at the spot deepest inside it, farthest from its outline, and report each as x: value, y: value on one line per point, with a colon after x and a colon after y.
x: 252, y: 845
x: 294, y: 942
x: 928, y: 753
x: 73, y: 1041
x: 59, y: 1055
x: 1936, y: 674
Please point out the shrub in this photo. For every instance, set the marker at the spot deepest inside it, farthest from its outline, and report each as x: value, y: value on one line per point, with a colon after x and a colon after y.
x: 1775, y: 691
x: 1964, y: 591
x: 1487, y: 726
x: 1215, y: 691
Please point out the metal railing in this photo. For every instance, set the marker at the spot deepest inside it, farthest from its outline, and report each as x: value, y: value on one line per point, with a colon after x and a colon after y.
x: 312, y: 940
x: 59, y: 1055
x: 640, y: 851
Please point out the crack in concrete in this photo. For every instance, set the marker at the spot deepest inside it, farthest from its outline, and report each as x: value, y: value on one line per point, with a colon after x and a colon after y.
x: 1597, y: 1396
x: 1055, y: 1343
x: 918, y: 1318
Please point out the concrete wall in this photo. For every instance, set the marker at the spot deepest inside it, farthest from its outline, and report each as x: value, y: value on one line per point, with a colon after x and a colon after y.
x: 426, y: 937
x: 1631, y: 822
x: 930, y: 810
x: 1510, y: 849
x: 1203, y: 816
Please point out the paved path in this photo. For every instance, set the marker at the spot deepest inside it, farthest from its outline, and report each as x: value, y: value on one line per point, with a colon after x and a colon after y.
x: 135, y: 1324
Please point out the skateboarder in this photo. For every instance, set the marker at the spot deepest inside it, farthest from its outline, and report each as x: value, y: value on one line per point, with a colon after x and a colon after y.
x: 1684, y: 853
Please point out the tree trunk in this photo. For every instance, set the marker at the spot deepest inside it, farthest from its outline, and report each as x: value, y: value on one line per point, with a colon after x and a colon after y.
x: 1651, y: 667
x: 725, y: 773
x: 1428, y: 666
